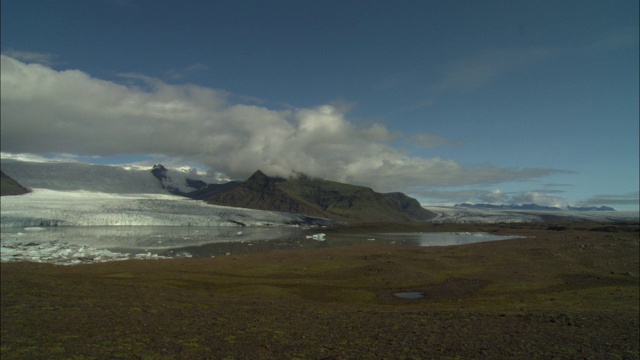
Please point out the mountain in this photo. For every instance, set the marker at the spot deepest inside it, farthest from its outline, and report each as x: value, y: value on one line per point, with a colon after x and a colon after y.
x: 509, y: 207
x: 534, y: 207
x: 300, y: 195
x: 319, y: 198
x: 590, y: 208
x: 80, y: 194
x: 8, y: 186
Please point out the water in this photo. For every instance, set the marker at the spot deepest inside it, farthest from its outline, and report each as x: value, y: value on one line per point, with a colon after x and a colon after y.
x: 173, y: 241
x: 420, y: 239
x: 409, y: 295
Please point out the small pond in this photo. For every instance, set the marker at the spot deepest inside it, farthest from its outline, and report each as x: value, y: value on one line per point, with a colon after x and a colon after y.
x: 409, y: 295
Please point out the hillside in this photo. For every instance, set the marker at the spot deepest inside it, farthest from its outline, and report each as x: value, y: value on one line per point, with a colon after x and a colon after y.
x: 8, y: 186
x: 320, y: 198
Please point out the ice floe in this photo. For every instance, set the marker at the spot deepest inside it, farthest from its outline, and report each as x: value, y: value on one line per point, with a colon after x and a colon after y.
x: 319, y: 237
x: 61, y: 253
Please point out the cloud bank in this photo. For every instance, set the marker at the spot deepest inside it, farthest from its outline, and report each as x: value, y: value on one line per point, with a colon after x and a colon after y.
x: 45, y: 59
x: 49, y: 111
x: 632, y: 198
x: 477, y: 71
x: 498, y: 197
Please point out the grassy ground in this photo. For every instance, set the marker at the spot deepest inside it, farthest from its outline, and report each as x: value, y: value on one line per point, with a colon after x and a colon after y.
x: 568, y: 291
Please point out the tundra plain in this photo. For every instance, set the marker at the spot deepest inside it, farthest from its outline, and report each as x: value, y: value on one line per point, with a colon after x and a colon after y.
x: 568, y: 290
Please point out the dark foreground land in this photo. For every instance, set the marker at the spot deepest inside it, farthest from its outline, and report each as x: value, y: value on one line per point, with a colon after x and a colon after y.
x: 572, y: 292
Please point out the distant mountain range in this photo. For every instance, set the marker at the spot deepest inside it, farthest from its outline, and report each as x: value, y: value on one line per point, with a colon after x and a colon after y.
x: 311, y: 197
x: 80, y: 194
x: 301, y: 195
x: 590, y: 208
x: 534, y: 207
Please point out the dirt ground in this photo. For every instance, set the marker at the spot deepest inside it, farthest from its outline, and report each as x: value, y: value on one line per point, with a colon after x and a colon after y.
x: 567, y: 291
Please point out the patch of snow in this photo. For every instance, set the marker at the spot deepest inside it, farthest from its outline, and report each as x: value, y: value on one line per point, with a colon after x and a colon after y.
x: 35, y: 228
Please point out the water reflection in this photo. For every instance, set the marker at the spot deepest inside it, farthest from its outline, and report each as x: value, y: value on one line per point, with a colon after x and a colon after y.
x: 217, y: 241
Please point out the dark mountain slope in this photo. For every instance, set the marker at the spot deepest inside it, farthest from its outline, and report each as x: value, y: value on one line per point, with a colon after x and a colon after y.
x: 410, y: 206
x: 262, y: 192
x: 8, y: 186
x: 320, y: 198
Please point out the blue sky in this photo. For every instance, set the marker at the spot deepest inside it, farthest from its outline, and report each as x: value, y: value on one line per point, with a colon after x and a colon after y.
x: 448, y: 101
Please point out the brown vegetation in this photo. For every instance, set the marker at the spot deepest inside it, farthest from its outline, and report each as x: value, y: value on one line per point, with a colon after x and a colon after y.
x: 567, y: 291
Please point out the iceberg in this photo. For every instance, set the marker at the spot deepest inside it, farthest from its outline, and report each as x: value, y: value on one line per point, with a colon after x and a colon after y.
x: 55, y: 252
x: 319, y: 237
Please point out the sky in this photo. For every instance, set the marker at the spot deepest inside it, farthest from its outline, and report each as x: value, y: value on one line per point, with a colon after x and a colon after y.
x: 502, y: 102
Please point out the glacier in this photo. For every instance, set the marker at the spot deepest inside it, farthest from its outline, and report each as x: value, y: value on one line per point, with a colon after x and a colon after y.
x: 45, y: 207
x: 77, y: 195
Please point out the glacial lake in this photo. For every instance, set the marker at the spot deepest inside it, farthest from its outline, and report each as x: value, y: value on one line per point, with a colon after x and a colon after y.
x: 219, y: 241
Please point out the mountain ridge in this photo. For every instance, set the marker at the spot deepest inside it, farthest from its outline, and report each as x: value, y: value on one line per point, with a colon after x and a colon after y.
x: 81, y: 194
x: 315, y: 197
x: 8, y: 186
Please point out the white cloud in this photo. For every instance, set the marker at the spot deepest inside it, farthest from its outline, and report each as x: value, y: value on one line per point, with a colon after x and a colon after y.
x: 496, y: 197
x: 192, y: 69
x: 430, y: 141
x: 28, y: 157
x: 632, y: 198
x: 30, y: 56
x: 46, y: 111
x: 479, y: 70
x: 620, y: 38
x: 463, y: 195
x: 539, y: 198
